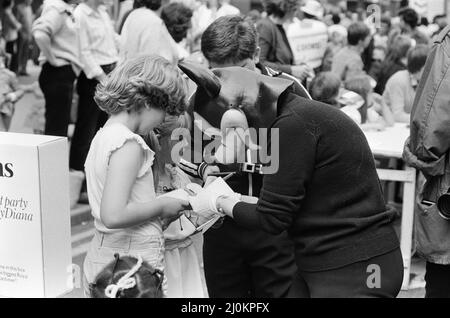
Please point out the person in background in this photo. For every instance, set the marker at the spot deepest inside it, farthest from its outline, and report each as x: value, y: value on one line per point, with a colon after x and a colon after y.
x: 348, y: 63
x: 308, y: 35
x: 10, y: 31
x: 135, y: 5
x: 409, y: 21
x: 225, y: 8
x: 145, y: 33
x: 381, y: 37
x: 337, y: 35
x: 401, y: 87
x: 375, y: 114
x: 428, y: 150
x: 254, y: 16
x: 325, y: 88
x: 395, y: 61
x: 125, y: 7
x: 185, y: 277
x: 178, y: 19
x: 98, y: 44
x: 441, y: 22
x: 24, y: 15
x: 55, y: 34
x: 10, y: 93
x: 275, y: 49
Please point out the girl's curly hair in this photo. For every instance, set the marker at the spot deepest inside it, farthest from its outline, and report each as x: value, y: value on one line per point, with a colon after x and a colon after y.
x: 279, y: 8
x: 148, y: 81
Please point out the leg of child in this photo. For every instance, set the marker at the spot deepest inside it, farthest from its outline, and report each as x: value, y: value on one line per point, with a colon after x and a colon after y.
x: 5, y: 122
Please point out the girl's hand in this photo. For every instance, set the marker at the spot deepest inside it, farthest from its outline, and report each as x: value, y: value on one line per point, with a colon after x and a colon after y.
x: 173, y: 208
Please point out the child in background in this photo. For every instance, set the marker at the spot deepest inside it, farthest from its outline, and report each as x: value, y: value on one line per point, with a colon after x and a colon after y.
x: 325, y: 88
x: 338, y: 39
x: 127, y: 215
x: 128, y: 277
x: 375, y: 114
x: 185, y: 277
x: 10, y: 93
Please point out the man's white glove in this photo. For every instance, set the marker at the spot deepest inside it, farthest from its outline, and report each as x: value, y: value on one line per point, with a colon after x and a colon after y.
x: 204, y: 200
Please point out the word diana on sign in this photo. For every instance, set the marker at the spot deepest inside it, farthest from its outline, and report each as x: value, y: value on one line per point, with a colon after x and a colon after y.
x: 9, y: 213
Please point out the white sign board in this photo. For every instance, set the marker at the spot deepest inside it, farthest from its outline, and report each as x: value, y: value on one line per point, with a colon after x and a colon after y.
x: 308, y: 40
x: 35, y: 240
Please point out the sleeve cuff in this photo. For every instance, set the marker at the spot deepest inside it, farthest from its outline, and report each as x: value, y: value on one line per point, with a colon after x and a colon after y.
x: 245, y: 215
x: 93, y: 72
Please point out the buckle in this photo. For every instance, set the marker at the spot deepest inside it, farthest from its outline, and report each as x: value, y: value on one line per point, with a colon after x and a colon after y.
x: 252, y: 168
x: 248, y: 167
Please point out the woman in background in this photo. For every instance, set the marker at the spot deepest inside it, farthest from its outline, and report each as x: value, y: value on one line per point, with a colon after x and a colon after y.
x: 177, y: 18
x: 395, y: 61
x: 11, y: 27
x: 276, y: 51
x: 401, y: 88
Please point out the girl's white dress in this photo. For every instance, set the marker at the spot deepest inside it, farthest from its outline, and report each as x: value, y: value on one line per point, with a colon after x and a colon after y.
x: 146, y: 239
x: 185, y: 276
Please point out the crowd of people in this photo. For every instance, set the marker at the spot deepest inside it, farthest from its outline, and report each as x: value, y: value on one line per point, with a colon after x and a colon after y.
x: 132, y: 95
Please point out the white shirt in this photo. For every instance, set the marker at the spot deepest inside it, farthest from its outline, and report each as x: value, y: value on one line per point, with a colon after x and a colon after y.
x: 145, y: 33
x: 58, y: 22
x: 308, y: 39
x: 227, y: 9
x: 98, y: 41
x: 107, y: 140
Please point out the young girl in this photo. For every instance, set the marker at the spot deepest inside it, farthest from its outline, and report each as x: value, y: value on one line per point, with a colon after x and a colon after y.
x: 137, y: 95
x: 185, y: 278
x: 10, y: 93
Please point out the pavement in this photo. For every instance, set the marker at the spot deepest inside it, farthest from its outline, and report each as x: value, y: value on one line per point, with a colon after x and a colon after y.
x: 82, y: 227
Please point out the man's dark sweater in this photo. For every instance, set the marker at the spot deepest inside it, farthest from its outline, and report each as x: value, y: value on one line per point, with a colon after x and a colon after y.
x: 326, y: 192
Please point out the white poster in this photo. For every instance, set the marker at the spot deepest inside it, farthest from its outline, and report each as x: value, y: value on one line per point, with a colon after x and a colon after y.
x: 35, y: 241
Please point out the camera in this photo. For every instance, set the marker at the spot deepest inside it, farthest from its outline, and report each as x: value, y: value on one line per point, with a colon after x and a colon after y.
x: 443, y: 205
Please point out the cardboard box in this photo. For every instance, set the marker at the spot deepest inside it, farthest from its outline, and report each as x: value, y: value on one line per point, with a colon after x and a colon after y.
x: 35, y: 239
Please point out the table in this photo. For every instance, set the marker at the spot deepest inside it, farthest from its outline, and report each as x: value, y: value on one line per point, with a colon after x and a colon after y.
x: 389, y: 143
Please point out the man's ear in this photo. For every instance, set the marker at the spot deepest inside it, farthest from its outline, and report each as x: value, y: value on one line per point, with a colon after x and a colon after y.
x: 257, y: 55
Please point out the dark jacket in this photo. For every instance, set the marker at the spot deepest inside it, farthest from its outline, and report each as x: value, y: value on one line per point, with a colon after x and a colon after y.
x: 428, y: 150
x: 326, y: 192
x: 386, y: 70
x: 276, y: 51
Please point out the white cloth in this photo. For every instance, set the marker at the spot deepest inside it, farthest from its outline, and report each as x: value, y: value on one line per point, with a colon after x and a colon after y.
x: 337, y: 28
x: 202, y: 18
x: 353, y: 113
x: 183, y: 271
x: 308, y: 39
x: 124, y: 7
x: 145, y: 33
x: 182, y: 266
x: 98, y: 41
x: 58, y: 22
x: 227, y: 9
x: 109, y: 139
